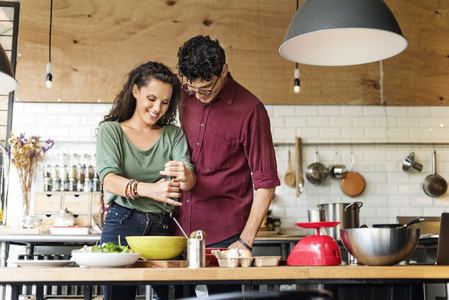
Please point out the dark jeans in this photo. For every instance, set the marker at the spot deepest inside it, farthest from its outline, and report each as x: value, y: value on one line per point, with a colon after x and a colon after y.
x: 121, y: 222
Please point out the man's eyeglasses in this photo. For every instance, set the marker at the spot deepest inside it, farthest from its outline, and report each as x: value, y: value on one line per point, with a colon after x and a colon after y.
x: 201, y: 92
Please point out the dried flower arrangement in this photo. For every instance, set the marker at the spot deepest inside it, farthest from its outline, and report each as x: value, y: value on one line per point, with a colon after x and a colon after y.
x: 25, y: 154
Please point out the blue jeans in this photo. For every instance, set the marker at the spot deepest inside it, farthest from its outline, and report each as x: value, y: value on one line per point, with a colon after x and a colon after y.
x: 121, y: 222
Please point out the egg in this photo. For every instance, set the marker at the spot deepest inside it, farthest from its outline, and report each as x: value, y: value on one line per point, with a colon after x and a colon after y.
x: 232, y: 253
x: 245, y: 253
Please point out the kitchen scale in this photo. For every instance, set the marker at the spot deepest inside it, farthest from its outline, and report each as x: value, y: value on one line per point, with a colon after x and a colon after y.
x: 315, y: 250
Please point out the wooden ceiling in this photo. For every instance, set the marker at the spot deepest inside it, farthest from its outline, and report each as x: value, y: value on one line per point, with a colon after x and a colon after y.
x: 96, y: 42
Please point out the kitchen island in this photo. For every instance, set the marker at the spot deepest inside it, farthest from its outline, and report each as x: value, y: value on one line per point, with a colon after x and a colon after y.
x: 251, y: 277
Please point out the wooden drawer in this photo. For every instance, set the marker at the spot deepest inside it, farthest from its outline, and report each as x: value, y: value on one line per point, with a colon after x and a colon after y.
x: 77, y: 203
x: 83, y: 220
x: 96, y: 205
x: 47, y: 203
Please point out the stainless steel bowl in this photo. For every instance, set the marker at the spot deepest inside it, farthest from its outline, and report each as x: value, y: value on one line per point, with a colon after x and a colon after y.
x: 380, y: 246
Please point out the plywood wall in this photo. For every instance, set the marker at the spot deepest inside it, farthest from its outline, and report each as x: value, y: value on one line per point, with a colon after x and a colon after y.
x: 96, y: 42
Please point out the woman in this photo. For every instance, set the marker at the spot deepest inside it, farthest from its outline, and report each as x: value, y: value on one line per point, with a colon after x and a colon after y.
x: 138, y: 151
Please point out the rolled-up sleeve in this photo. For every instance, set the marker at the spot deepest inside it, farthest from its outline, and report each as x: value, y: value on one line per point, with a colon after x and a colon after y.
x: 108, y: 151
x: 259, y: 150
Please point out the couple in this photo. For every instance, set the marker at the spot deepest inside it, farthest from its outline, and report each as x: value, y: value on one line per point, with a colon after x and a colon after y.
x: 223, y: 153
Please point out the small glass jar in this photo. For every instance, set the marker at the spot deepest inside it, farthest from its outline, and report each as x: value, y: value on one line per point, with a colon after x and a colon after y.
x: 95, y: 185
x: 47, y: 171
x: 63, y: 174
x: 80, y: 185
x: 72, y: 185
x: 55, y: 171
x: 71, y: 172
x: 48, y: 184
x: 56, y: 186
x: 65, y: 185
x: 88, y: 185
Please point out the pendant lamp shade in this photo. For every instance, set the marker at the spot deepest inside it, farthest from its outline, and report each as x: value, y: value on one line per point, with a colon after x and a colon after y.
x: 342, y: 33
x: 7, y: 81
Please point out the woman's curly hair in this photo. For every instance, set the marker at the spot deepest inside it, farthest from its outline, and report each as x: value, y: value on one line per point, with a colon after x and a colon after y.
x: 125, y: 103
x: 201, y: 57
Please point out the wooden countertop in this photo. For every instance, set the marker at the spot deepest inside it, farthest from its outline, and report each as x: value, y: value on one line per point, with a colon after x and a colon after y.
x: 74, y: 274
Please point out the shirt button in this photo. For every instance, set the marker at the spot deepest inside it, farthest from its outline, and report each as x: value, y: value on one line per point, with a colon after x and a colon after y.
x: 197, y: 144
x: 187, y: 200
x: 202, y: 125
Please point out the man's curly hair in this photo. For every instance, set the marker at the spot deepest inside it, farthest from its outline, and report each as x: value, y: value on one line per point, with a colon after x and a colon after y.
x: 201, y: 57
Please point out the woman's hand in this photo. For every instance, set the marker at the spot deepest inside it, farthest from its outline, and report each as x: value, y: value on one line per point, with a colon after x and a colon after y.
x: 163, y: 191
x: 178, y: 171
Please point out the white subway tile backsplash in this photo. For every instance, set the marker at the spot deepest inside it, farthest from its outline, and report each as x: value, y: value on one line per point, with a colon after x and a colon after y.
x: 353, y: 133
x: 295, y: 122
x: 59, y: 108
x: 320, y: 122
x: 283, y: 110
x: 329, y: 110
x: 389, y: 190
x: 378, y: 111
x: 306, y: 110
x: 330, y: 133
x: 277, y: 122
x: 420, y: 111
x: 397, y: 111
x: 430, y: 122
x: 363, y: 122
x: 350, y: 111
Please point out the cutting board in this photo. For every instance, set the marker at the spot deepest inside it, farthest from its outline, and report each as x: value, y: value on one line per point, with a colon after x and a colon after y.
x: 161, y: 264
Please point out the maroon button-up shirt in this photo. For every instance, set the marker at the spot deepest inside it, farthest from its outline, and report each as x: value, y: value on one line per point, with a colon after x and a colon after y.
x: 232, y: 150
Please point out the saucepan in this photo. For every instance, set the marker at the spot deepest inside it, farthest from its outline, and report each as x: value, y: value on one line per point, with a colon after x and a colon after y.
x: 399, y: 226
x: 316, y: 172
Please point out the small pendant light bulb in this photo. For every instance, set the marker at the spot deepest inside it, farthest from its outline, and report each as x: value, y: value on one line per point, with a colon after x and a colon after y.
x: 49, y: 78
x: 297, y: 83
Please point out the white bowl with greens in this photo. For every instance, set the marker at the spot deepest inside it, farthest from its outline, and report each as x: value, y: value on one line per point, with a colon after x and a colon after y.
x: 107, y: 255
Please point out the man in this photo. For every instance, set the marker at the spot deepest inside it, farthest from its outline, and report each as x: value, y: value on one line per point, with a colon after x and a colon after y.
x: 228, y: 132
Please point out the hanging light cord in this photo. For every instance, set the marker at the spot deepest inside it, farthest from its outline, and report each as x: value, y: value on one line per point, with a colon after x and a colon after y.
x: 49, y: 34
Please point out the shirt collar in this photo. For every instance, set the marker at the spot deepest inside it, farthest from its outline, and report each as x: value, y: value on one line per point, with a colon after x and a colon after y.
x: 227, y: 93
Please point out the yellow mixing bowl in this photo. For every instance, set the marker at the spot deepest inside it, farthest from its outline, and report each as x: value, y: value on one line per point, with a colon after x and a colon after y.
x: 157, y: 247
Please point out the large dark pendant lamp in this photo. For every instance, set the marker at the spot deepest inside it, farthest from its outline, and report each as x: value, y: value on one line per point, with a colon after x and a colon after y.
x: 342, y: 33
x: 7, y: 81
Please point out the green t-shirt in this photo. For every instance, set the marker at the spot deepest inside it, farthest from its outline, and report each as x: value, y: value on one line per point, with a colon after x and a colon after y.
x: 116, y: 154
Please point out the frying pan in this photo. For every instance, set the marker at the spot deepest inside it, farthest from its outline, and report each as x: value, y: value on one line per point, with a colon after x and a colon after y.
x: 398, y: 226
x: 316, y: 172
x: 434, y: 185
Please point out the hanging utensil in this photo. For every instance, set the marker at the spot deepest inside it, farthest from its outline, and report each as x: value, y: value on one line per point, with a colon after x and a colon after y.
x: 316, y: 172
x: 298, y: 164
x: 434, y: 185
x: 352, y: 184
x: 289, y: 178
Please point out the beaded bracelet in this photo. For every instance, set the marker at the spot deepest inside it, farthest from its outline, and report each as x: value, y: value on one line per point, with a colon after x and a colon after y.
x: 245, y: 244
x: 131, y: 189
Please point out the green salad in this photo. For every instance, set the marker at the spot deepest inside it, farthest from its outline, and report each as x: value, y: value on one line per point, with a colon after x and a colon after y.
x: 104, y: 248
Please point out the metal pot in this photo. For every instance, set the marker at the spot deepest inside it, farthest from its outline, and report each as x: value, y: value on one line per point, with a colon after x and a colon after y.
x: 316, y: 172
x: 434, y: 185
x: 346, y: 213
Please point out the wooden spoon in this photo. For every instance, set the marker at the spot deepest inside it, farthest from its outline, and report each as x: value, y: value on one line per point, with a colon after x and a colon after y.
x: 289, y: 176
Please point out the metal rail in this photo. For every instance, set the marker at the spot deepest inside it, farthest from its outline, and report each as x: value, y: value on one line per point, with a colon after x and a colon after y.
x: 412, y: 144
